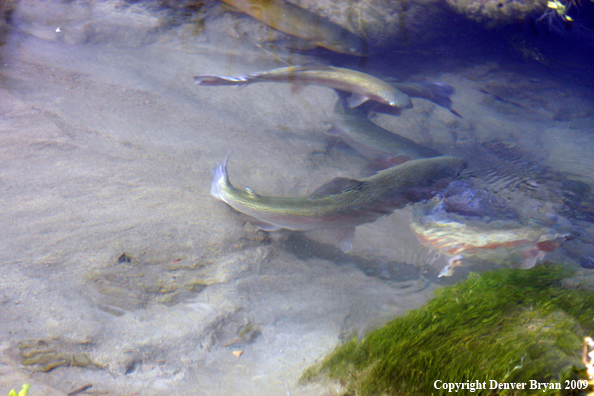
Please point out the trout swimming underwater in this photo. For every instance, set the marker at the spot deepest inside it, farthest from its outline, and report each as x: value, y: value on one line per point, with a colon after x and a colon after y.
x: 361, y: 86
x: 299, y: 22
x: 341, y: 204
x: 436, y: 92
x: 372, y: 141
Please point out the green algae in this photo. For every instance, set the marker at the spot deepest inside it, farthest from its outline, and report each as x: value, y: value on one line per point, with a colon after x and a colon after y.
x: 509, y: 326
x: 47, y: 355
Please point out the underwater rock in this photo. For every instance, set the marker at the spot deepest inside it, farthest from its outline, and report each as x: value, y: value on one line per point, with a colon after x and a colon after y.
x: 384, y: 22
x: 234, y: 330
x: 508, y: 326
x: 375, y: 23
x: 497, y: 11
x: 47, y: 355
x: 135, y: 282
x: 460, y: 197
x: 587, y: 262
x: 80, y: 22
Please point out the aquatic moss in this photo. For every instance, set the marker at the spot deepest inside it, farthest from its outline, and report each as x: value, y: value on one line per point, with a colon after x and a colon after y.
x: 509, y: 326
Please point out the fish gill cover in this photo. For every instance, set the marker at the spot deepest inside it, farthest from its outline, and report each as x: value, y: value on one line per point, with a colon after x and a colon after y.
x: 508, y: 326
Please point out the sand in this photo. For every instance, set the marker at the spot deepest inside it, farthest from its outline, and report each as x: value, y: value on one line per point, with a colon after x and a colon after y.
x: 118, y: 267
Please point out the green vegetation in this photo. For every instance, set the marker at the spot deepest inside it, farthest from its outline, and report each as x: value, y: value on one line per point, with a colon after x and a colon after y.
x: 23, y: 391
x: 509, y: 326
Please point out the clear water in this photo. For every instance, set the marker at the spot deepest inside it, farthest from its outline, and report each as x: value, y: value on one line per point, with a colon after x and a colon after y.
x: 113, y: 248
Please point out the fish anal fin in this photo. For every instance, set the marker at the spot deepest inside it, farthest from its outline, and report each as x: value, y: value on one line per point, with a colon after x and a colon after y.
x: 342, y: 237
x: 263, y: 225
x: 337, y: 185
x: 356, y: 100
x: 531, y: 257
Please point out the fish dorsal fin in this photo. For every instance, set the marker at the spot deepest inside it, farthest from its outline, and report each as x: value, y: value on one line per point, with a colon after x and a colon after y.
x: 356, y: 100
x: 251, y: 192
x: 337, y: 185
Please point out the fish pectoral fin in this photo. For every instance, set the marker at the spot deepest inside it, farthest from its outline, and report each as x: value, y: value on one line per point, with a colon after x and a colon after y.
x: 356, y: 100
x: 333, y: 131
x: 343, y: 237
x: 531, y: 257
x: 264, y: 226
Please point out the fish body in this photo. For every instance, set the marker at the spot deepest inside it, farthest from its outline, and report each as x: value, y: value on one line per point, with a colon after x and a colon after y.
x: 438, y: 93
x: 299, y: 22
x: 467, y: 224
x: 372, y: 141
x: 343, y: 203
x: 361, y: 86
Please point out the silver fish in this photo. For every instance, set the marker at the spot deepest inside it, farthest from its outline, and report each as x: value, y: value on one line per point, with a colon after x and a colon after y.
x: 372, y: 141
x: 342, y: 204
x: 361, y: 86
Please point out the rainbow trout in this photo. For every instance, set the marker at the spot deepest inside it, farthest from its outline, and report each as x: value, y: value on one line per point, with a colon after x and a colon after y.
x: 341, y: 204
x: 361, y: 86
x: 372, y: 141
x: 469, y: 223
x: 296, y: 21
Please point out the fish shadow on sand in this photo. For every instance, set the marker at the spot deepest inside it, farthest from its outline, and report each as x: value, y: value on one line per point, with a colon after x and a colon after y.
x: 304, y: 248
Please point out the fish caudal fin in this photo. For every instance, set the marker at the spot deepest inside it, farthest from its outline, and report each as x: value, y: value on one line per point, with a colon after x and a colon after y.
x: 213, y: 80
x: 220, y: 179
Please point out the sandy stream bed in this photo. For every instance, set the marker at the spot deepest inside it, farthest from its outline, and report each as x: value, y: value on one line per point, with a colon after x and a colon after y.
x: 108, y: 149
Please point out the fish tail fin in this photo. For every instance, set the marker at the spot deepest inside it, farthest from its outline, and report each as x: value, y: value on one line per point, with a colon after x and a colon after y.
x: 220, y: 179
x: 213, y: 80
x: 440, y: 93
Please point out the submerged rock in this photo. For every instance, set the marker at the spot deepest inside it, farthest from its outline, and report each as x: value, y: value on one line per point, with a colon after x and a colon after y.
x: 47, y: 355
x: 497, y: 11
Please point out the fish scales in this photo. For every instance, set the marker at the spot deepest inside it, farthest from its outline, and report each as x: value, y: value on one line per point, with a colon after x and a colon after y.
x: 342, y: 204
x: 372, y: 141
x: 361, y: 86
